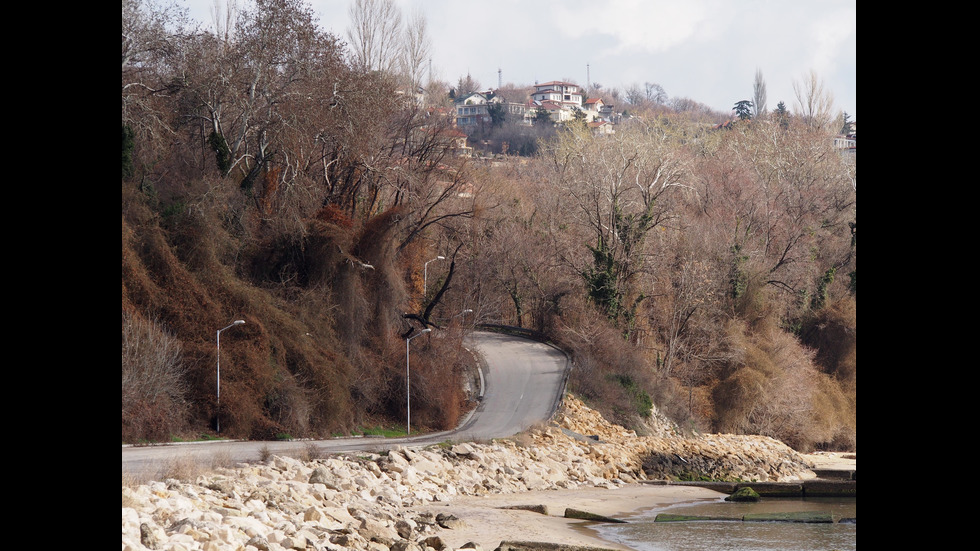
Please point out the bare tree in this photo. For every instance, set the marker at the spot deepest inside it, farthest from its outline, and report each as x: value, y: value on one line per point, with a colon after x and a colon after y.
x: 153, y: 385
x: 655, y: 93
x: 153, y: 34
x: 759, y: 94
x: 224, y: 18
x: 814, y: 103
x: 635, y: 95
x: 595, y: 90
x: 622, y: 187
x: 417, y: 49
x: 781, y: 200
x: 466, y: 85
x: 149, y: 31
x: 375, y: 34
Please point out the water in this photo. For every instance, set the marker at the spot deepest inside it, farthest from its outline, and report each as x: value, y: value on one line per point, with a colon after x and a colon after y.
x: 642, y: 534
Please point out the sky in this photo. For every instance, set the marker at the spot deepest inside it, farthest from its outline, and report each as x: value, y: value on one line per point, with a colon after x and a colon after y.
x: 705, y: 50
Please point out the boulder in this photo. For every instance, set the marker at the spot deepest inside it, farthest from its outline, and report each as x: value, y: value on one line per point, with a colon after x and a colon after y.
x: 743, y: 494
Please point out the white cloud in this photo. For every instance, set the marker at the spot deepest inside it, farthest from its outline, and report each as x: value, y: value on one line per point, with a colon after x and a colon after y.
x: 644, y: 26
x: 833, y: 33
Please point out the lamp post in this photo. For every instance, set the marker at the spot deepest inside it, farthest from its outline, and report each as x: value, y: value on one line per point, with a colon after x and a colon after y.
x: 425, y: 276
x: 464, y: 312
x: 217, y: 420
x: 408, y: 383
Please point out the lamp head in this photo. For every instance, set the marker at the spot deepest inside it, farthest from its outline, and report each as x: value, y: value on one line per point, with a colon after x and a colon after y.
x: 238, y: 322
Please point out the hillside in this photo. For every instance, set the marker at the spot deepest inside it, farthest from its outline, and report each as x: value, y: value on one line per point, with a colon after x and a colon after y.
x: 708, y: 271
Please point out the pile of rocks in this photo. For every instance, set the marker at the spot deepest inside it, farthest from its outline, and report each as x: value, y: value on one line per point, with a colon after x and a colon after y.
x: 366, y: 502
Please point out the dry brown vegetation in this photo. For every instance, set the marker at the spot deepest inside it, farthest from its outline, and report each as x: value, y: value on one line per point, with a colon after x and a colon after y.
x: 708, y: 272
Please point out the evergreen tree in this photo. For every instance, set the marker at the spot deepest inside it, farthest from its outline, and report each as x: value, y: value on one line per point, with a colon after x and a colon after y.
x: 127, y: 152
x: 541, y: 116
x: 782, y: 115
x: 743, y: 109
x: 497, y: 114
x: 221, y: 151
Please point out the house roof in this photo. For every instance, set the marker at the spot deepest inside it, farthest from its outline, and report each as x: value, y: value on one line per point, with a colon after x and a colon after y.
x: 558, y: 82
x: 463, y: 99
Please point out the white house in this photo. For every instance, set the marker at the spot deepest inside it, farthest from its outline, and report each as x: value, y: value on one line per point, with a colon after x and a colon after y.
x: 566, y: 94
x: 601, y: 128
x: 471, y: 109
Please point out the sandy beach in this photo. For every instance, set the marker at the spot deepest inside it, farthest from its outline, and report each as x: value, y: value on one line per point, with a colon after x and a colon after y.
x: 488, y: 521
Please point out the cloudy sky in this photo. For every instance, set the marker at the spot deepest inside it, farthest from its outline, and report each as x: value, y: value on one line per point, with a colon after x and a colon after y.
x: 705, y: 50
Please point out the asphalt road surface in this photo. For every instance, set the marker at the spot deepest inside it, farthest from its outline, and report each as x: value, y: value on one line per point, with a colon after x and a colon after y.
x: 522, y: 385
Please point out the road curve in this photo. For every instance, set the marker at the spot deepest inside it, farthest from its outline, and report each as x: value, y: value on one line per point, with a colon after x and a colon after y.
x: 522, y: 385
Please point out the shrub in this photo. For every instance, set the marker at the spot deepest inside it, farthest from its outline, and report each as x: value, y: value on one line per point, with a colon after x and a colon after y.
x: 265, y: 453
x: 775, y: 389
x: 153, y: 387
x: 311, y: 452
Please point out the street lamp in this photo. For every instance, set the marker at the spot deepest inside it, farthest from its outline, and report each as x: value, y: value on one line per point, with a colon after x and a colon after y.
x: 425, y: 275
x: 463, y: 313
x: 408, y: 383
x: 217, y: 421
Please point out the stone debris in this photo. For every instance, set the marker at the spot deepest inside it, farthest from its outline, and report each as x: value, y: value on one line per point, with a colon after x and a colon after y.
x: 366, y: 502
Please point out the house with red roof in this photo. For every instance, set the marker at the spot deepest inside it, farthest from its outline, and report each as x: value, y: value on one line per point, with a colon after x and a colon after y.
x: 601, y: 128
x: 561, y: 99
x: 566, y: 94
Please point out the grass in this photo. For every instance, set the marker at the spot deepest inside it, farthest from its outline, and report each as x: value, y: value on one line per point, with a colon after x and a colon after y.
x: 382, y: 431
x: 203, y: 437
x: 200, y: 438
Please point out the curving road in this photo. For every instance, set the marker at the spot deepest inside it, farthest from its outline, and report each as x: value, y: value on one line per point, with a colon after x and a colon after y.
x: 522, y: 385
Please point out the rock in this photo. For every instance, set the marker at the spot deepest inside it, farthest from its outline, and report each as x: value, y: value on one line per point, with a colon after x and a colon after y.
x: 544, y: 546
x: 795, y: 516
x: 148, y: 538
x: 375, y: 530
x: 405, y: 528
x: 434, y: 542
x: 450, y: 522
x: 585, y: 515
x: 321, y: 475
x: 258, y: 542
x: 543, y: 509
x: 743, y: 494
x: 365, y: 503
